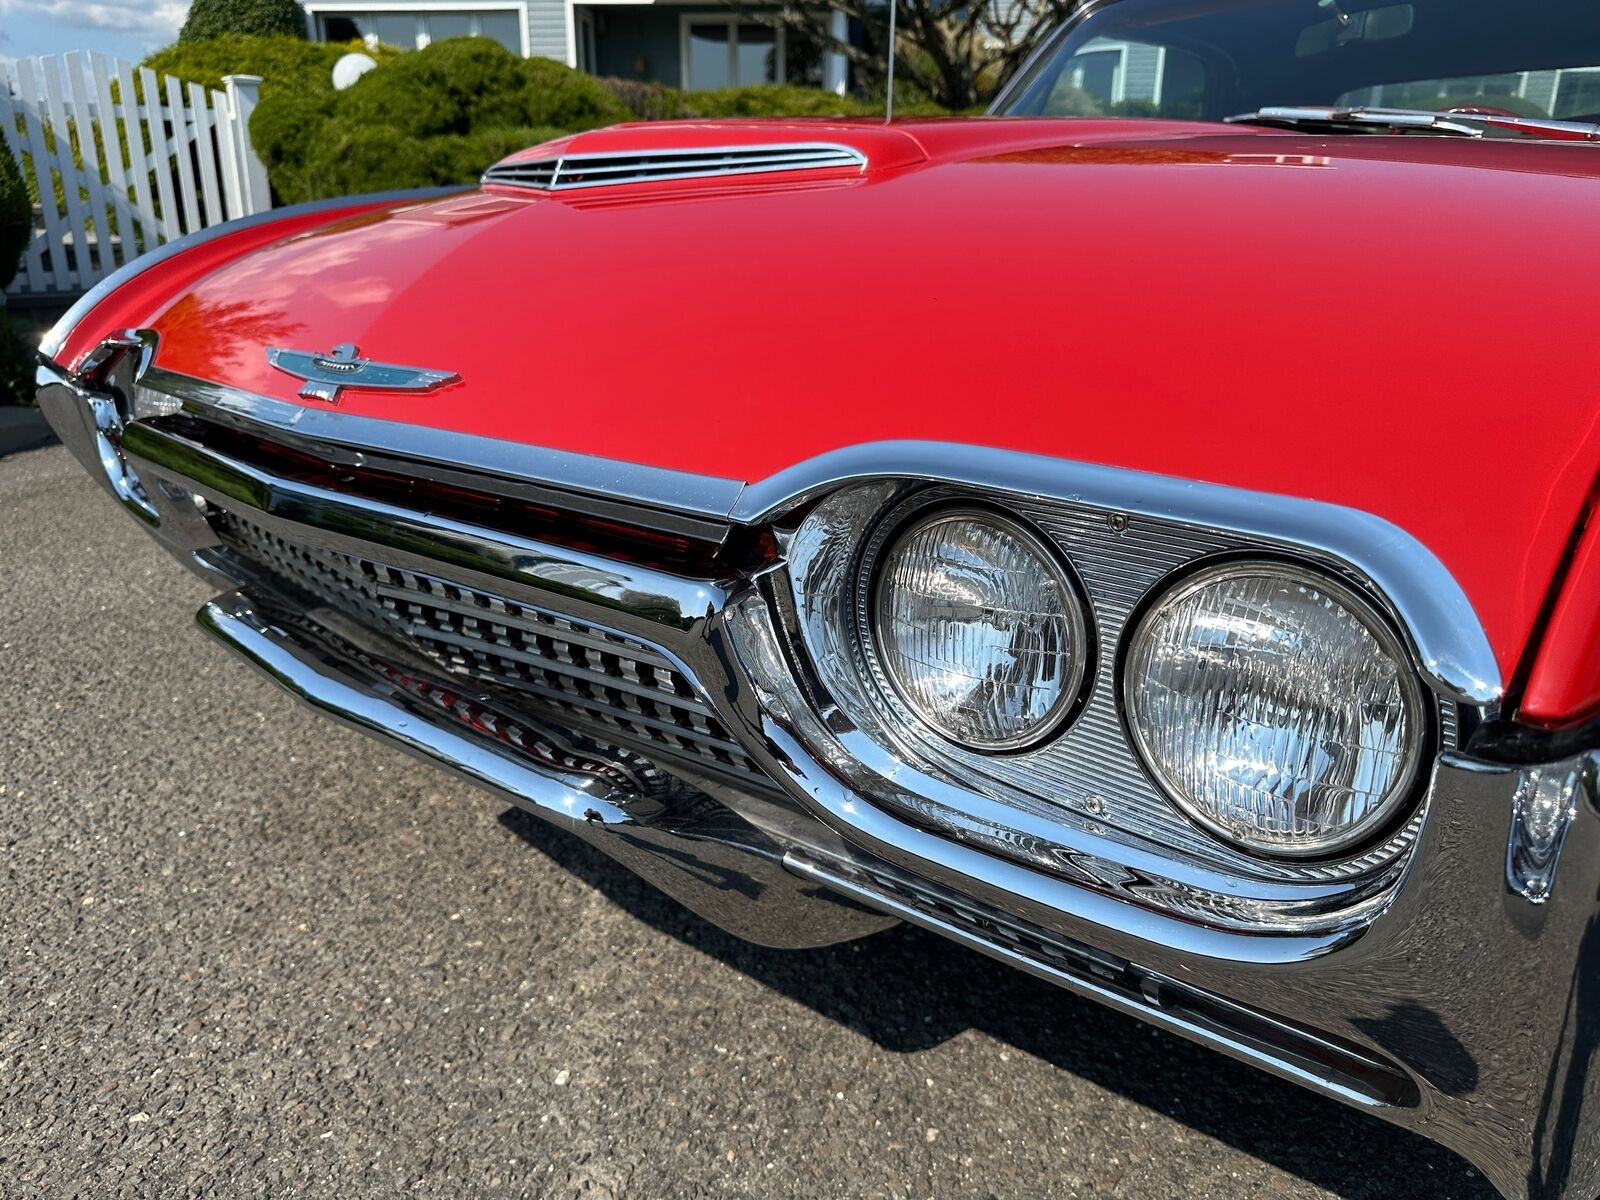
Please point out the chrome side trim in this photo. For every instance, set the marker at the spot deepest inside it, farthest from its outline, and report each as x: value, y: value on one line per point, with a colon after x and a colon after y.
x: 567, y: 172
x: 50, y: 345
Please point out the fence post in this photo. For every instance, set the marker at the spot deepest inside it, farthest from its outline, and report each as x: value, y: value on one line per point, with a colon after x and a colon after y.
x: 244, y: 93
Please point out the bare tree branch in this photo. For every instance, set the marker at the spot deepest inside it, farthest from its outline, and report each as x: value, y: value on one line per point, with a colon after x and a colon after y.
x: 957, y: 52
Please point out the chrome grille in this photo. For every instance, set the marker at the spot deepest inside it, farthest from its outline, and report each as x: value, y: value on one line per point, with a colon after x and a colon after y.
x: 619, y: 690
x: 568, y: 171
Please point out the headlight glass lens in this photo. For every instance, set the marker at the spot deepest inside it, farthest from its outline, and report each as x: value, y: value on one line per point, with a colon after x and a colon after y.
x: 1275, y: 707
x: 979, y: 630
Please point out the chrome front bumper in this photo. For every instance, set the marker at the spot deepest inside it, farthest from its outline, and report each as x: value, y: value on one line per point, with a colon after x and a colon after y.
x: 1465, y: 1010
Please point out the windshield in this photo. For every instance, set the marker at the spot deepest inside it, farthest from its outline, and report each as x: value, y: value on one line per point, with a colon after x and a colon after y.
x: 1212, y: 59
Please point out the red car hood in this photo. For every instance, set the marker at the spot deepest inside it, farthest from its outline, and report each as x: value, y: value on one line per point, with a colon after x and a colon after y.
x: 1403, y: 325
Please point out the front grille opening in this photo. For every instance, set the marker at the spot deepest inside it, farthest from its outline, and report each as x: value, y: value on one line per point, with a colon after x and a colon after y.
x: 617, y: 690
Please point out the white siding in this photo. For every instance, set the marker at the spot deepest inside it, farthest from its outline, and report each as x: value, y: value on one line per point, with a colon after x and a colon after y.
x: 1142, y: 72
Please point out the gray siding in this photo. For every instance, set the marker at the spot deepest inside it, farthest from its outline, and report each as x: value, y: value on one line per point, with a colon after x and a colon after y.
x: 547, y: 29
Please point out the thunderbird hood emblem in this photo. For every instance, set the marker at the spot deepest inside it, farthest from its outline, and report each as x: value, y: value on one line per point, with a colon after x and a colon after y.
x: 326, y: 375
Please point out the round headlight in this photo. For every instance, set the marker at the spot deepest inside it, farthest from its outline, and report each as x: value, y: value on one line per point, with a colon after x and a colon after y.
x: 978, y: 629
x: 1275, y: 707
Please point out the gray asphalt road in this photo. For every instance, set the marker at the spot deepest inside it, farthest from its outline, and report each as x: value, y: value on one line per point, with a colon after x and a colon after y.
x: 243, y: 952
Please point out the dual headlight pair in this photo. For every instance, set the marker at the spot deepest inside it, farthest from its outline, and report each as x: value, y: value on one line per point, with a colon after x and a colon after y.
x: 1272, y: 704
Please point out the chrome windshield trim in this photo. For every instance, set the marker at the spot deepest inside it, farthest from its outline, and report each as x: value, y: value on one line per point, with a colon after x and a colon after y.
x: 50, y: 345
x: 1452, y: 650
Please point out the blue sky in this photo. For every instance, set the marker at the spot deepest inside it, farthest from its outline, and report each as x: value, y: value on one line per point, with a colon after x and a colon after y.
x: 121, y: 28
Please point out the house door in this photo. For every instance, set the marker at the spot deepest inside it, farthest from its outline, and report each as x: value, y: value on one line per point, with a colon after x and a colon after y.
x: 588, y: 59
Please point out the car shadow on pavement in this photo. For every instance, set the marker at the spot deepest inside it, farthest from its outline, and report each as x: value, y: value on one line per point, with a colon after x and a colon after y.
x: 908, y: 990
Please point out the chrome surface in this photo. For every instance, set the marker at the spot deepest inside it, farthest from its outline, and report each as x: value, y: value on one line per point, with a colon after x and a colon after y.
x: 1449, y: 641
x: 653, y: 497
x: 1542, y: 812
x: 1396, y: 795
x: 1451, y: 647
x: 1302, y: 917
x: 327, y: 375
x: 1085, y: 791
x: 517, y: 568
x: 715, y: 862
x: 567, y: 172
x: 50, y: 345
x: 1296, y: 1054
x: 875, y: 637
x: 1448, y: 1004
x: 616, y: 687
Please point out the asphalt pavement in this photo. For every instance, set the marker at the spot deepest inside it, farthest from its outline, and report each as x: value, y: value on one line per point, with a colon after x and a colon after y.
x: 246, y: 953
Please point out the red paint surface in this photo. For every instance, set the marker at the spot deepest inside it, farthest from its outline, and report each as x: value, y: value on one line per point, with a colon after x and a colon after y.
x: 1258, y: 308
x: 1565, y: 684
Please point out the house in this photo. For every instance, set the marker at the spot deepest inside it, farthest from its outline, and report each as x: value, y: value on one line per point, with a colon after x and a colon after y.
x: 693, y: 44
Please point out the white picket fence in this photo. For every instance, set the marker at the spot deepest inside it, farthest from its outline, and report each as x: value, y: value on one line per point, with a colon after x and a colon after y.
x: 123, y: 160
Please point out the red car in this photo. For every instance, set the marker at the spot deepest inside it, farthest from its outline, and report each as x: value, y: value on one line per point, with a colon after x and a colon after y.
x: 1147, y: 534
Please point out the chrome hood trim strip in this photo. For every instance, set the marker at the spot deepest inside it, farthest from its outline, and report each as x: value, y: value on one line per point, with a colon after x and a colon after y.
x: 1448, y: 638
x: 1451, y: 647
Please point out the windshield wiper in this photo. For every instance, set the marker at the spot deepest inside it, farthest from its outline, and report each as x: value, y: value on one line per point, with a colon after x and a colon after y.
x: 1449, y: 124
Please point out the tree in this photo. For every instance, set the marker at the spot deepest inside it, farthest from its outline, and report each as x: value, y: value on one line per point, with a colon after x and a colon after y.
x: 957, y: 52
x: 213, y: 18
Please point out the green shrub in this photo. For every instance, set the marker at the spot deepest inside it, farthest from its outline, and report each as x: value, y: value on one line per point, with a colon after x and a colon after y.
x: 463, y: 158
x: 213, y: 18
x: 283, y: 63
x: 449, y: 87
x: 16, y: 217
x: 16, y: 364
x: 645, y: 101
x: 780, y: 100
x: 434, y: 116
x: 556, y: 95
x: 442, y: 114
x: 348, y: 159
x: 463, y: 84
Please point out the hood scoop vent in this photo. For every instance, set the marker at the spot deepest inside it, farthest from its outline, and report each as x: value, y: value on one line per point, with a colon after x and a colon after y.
x: 570, y: 171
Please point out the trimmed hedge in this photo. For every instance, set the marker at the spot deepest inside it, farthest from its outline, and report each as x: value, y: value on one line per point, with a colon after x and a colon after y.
x: 213, y: 18
x: 16, y: 217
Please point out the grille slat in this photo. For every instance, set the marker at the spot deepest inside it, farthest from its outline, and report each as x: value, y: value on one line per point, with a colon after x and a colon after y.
x: 498, y: 612
x: 630, y: 692
x: 565, y: 172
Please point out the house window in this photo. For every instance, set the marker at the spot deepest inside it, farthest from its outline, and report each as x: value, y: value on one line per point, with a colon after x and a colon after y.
x: 414, y: 29
x: 721, y: 52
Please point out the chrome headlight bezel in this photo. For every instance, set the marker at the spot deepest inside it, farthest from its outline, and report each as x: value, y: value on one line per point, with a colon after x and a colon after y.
x: 1398, y: 800
x: 903, y: 522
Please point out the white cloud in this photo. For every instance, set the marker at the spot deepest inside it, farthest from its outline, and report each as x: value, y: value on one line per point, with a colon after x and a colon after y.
x: 157, y: 21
